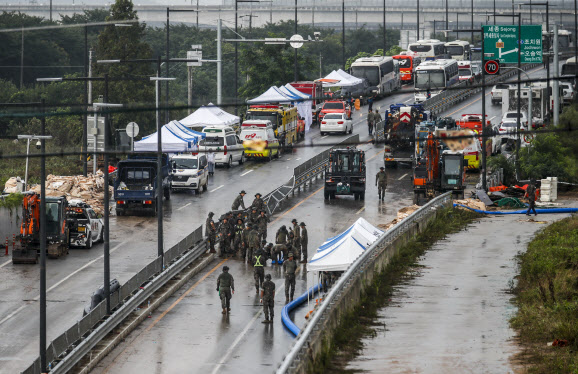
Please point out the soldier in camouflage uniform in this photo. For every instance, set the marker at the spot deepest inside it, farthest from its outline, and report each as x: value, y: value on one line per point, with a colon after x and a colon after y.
x: 304, y: 240
x: 239, y: 202
x: 212, y: 236
x: 262, y: 222
x: 208, y: 223
x: 280, y: 245
x: 225, y: 287
x: 253, y: 216
x: 238, y: 241
x: 259, y: 260
x: 224, y: 237
x: 253, y: 241
x: 296, y: 238
x: 290, y: 267
x: 258, y: 203
x: 268, y: 298
x: 381, y: 182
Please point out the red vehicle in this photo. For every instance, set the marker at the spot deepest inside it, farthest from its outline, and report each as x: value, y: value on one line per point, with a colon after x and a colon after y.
x: 474, y: 122
x: 335, y: 106
x: 315, y: 89
x: 407, y: 65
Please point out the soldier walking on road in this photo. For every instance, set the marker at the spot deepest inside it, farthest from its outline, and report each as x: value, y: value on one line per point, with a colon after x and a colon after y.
x: 381, y: 182
x: 377, y: 117
x: 226, y: 288
x: 259, y: 259
x: 238, y: 241
x: 253, y: 241
x: 370, y: 120
x: 290, y: 267
x: 239, y: 202
x: 531, y: 195
x: 262, y: 222
x: 268, y: 299
x: 304, y: 240
x: 212, y: 236
x: 208, y: 223
x: 225, y: 237
x: 280, y: 244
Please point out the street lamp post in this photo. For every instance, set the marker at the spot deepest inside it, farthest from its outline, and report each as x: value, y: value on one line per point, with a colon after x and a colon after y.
x: 384, y: 31
x: 343, y: 33
x: 28, y: 139
x: 417, y: 21
x: 42, y: 299
x: 295, y: 74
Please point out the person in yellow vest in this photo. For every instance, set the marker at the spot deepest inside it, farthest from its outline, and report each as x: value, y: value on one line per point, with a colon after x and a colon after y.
x: 357, y: 104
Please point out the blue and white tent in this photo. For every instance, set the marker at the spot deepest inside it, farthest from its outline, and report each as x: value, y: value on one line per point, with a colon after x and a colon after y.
x: 272, y: 95
x: 339, y: 252
x: 175, y: 138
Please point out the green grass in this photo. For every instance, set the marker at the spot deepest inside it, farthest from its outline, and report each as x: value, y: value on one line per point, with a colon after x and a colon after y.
x: 547, y: 298
x: 346, y: 342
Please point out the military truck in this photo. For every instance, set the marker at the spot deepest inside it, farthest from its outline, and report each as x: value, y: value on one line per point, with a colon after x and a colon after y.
x: 345, y: 173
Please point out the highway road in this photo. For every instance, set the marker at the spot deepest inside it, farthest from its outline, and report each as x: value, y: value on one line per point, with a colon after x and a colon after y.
x: 211, y: 342
x: 72, y: 280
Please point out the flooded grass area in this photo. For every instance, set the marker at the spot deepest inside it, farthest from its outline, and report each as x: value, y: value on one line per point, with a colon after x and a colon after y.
x: 361, y: 322
x: 547, y: 300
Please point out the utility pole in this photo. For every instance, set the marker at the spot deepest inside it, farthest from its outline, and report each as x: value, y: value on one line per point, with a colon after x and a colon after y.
x: 295, y: 72
x: 22, y: 60
x: 343, y: 32
x: 190, y: 86
x: 42, y: 300
x: 106, y: 205
x: 417, y: 21
x: 384, y: 30
x: 484, y: 129
x: 219, y: 62
x: 85, y: 116
x: 556, y: 84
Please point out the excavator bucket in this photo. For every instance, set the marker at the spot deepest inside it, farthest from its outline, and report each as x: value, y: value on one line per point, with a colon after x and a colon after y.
x: 24, y: 255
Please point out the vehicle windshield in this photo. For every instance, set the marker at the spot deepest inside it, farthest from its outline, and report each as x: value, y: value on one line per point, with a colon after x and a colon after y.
x: 185, y: 163
x: 76, y: 213
x: 514, y: 115
x: 333, y: 116
x: 333, y: 106
x: 465, y: 72
x: 430, y: 79
x: 52, y: 224
x: 272, y: 117
x: 455, y: 50
x: 569, y: 69
x: 347, y: 162
x: 404, y: 63
x: 452, y: 166
x: 371, y: 73
x: 420, y: 48
x: 509, y: 124
x: 213, y: 141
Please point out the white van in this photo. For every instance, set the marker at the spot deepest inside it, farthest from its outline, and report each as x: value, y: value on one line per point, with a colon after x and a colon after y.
x: 189, y: 172
x: 225, y: 143
x: 259, y: 139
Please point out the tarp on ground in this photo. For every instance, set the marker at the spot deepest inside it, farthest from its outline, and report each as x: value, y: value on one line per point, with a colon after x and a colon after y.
x: 272, y: 95
x: 344, y: 79
x: 339, y: 252
x: 175, y: 138
x: 304, y: 107
x: 210, y: 115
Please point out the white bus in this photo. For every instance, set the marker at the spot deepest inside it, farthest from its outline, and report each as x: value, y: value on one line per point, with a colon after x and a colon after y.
x: 569, y: 68
x: 428, y: 49
x: 381, y: 73
x: 564, y: 40
x: 432, y: 77
x: 458, y: 50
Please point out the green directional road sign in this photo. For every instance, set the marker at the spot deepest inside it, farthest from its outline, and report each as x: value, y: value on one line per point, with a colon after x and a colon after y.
x: 501, y: 43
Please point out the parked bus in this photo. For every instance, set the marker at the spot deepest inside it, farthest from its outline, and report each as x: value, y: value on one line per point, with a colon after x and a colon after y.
x: 407, y: 64
x: 381, y: 73
x: 458, y: 50
x: 432, y: 77
x: 428, y: 49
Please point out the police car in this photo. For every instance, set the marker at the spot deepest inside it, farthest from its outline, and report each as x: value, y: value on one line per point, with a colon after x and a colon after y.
x: 85, y: 226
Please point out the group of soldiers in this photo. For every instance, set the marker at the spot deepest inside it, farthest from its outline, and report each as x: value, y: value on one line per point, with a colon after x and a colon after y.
x: 245, y: 233
x: 373, y: 119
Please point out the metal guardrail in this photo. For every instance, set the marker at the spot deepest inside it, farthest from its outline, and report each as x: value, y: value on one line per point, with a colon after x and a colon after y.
x: 70, y: 347
x: 299, y: 349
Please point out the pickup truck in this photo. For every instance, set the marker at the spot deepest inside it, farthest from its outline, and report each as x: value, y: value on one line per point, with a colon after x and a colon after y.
x: 85, y: 227
x: 135, y: 188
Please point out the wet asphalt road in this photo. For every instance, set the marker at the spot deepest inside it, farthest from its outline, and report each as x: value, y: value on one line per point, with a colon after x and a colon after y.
x: 452, y: 315
x: 72, y: 280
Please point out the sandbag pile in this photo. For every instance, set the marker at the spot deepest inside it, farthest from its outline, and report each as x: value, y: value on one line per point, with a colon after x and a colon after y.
x: 89, y: 189
x: 11, y: 185
x: 401, y: 215
x: 472, y: 203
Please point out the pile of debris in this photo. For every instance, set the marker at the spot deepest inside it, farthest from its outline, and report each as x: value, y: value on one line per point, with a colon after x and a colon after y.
x: 401, y: 215
x: 471, y: 203
x: 89, y: 189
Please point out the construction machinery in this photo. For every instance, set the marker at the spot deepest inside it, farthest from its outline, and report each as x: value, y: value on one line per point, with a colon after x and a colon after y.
x: 437, y: 170
x: 345, y: 173
x: 400, y: 124
x: 27, y: 249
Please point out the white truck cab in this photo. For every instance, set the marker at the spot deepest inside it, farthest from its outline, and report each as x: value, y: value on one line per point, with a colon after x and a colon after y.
x: 189, y: 172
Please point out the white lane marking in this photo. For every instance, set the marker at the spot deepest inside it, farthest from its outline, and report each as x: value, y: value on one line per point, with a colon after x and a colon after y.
x: 184, y: 206
x: 403, y: 176
x: 323, y: 137
x: 492, y: 118
x: 6, y: 263
x: 289, y: 159
x: 238, y: 339
x: 247, y: 172
x: 62, y: 281
x: 297, y: 159
x: 408, y: 100
x: 360, y: 210
x: 221, y: 186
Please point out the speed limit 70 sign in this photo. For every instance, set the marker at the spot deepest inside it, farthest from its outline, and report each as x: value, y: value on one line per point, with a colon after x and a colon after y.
x: 492, y: 67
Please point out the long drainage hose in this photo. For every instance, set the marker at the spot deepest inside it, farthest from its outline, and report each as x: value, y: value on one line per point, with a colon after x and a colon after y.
x: 294, y: 304
x: 523, y: 211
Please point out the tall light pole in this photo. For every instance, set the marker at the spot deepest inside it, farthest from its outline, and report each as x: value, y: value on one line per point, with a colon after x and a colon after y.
x: 295, y: 74
x: 28, y: 139
x: 384, y: 31
x: 417, y: 21
x: 343, y: 33
x: 42, y: 300
x: 447, y: 19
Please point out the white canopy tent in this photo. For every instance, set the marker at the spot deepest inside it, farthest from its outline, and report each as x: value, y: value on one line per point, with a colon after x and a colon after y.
x: 339, y: 252
x: 344, y: 79
x: 175, y: 138
x: 210, y: 115
x: 272, y: 95
x: 304, y: 107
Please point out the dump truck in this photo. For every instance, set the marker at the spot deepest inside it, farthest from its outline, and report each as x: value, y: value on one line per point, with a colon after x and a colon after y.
x: 27, y: 248
x: 345, y: 173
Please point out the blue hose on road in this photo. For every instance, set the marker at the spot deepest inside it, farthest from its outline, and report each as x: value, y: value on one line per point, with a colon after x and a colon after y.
x: 294, y: 304
x: 523, y: 211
